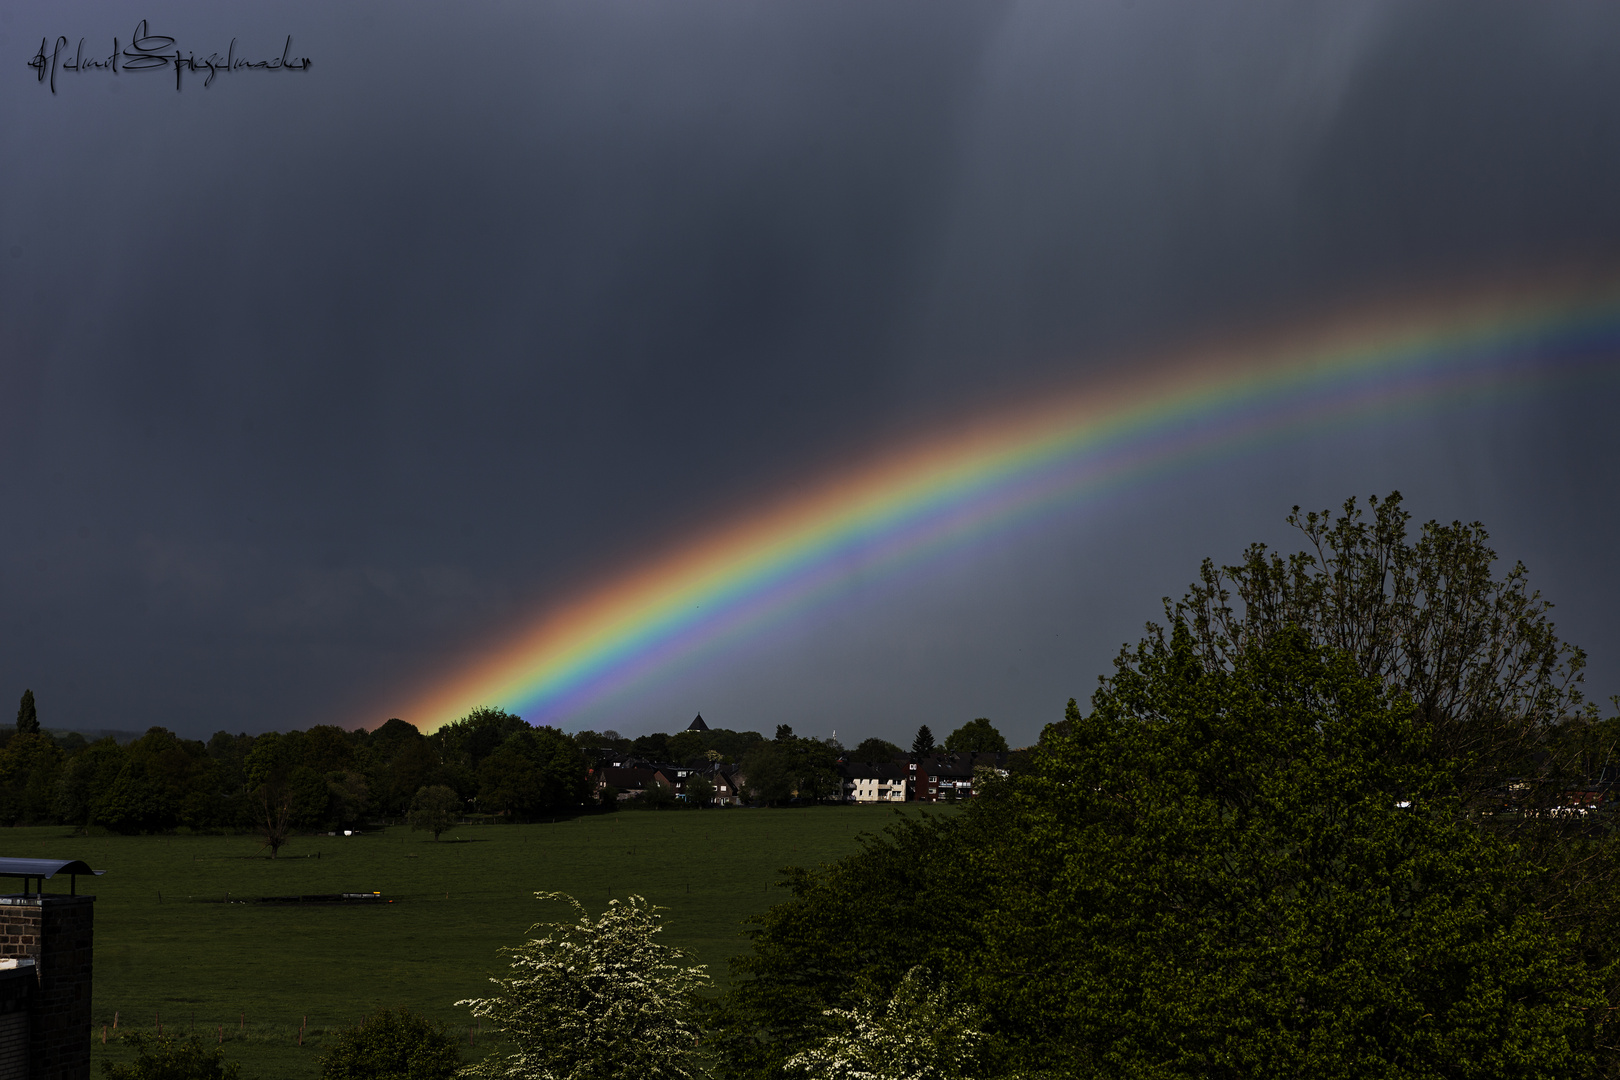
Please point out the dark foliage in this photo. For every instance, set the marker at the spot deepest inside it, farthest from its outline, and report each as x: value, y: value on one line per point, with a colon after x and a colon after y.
x: 27, y: 715
x: 1333, y: 819
x: 976, y: 737
x: 875, y: 752
x: 393, y: 1044
x: 168, y: 1057
x: 924, y: 742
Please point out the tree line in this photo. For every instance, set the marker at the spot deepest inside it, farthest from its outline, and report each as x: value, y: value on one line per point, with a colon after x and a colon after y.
x: 321, y: 778
x: 324, y: 778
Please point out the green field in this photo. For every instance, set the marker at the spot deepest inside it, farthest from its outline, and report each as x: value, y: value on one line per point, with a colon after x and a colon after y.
x: 167, y: 948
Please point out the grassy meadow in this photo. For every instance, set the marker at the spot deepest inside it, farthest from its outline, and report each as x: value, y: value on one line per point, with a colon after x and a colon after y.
x: 168, y: 948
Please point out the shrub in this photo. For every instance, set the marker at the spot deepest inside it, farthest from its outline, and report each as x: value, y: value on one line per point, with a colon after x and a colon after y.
x: 166, y: 1057
x: 394, y: 1044
x: 596, y: 999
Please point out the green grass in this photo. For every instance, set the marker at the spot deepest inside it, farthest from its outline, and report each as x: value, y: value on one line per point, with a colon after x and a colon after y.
x: 202, y: 965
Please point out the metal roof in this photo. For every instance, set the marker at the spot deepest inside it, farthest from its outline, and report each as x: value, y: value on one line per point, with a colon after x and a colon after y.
x: 44, y: 868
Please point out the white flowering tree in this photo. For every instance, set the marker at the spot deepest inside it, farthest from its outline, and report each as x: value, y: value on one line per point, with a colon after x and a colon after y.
x: 595, y: 1000
x: 915, y: 1035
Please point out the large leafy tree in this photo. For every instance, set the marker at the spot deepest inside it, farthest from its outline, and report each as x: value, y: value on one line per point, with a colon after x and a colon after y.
x: 875, y: 751
x: 1429, y: 618
x: 595, y: 999
x: 535, y: 770
x: 976, y: 737
x: 1253, y: 870
x: 85, y: 780
x: 465, y: 743
x: 767, y: 772
x: 163, y: 781
x: 29, y: 767
x: 435, y: 809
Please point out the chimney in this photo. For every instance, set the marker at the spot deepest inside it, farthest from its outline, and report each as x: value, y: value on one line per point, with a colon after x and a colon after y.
x: 46, y: 951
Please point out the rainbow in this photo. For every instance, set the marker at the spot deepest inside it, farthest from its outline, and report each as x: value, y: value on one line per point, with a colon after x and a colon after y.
x: 1016, y: 467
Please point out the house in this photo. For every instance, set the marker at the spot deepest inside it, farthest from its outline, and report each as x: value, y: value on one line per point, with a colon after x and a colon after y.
x: 631, y: 781
x: 883, y: 783
x: 948, y: 777
x: 633, y: 776
x: 725, y: 779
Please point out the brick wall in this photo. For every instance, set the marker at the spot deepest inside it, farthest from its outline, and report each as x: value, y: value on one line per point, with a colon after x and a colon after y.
x: 58, y: 934
x: 17, y: 989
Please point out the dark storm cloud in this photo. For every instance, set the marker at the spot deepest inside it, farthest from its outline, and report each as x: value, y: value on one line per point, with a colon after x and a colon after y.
x: 309, y: 386
x: 1138, y: 172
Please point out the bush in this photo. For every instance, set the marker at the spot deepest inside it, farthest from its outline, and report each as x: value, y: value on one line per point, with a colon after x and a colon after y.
x: 596, y: 999
x: 657, y: 796
x: 165, y: 1057
x: 394, y: 1044
x: 435, y: 809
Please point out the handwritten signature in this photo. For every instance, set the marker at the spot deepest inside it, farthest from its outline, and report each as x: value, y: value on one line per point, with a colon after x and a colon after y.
x: 150, y: 52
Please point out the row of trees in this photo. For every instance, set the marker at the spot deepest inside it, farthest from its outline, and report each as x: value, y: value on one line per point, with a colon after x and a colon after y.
x: 327, y: 778
x: 324, y: 777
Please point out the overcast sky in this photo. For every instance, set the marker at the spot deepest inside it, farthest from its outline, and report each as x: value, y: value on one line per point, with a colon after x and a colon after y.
x: 315, y: 383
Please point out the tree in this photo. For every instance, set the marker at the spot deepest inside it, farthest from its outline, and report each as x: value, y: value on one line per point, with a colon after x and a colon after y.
x: 654, y: 747
x: 414, y: 766
x: 918, y: 1034
x: 275, y: 818
x: 30, y: 765
x: 435, y: 809
x: 27, y: 717
x: 465, y: 743
x: 1477, y: 654
x: 393, y: 1044
x: 924, y: 742
x: 347, y: 796
x: 767, y: 774
x: 875, y: 751
x: 657, y: 796
x: 595, y: 999
x: 168, y: 1057
x: 847, y: 935
x: 699, y: 790
x: 784, y: 733
x: 534, y: 770
x: 270, y: 766
x: 86, y: 779
x: 683, y: 746
x: 1254, y: 869
x: 976, y: 737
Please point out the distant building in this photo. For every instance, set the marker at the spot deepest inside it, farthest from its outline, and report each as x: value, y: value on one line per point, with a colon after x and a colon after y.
x: 883, y: 783
x: 697, y: 724
x: 946, y: 777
